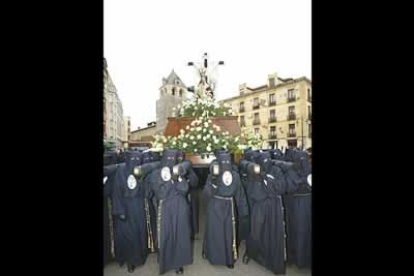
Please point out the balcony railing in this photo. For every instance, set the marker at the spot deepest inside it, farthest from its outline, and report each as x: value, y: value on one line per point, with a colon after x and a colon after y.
x: 272, y: 120
x: 241, y: 109
x: 256, y: 106
x: 291, y: 117
x: 256, y: 122
x: 272, y: 137
x: 291, y: 100
x: 292, y: 134
x: 272, y: 103
x: 242, y: 124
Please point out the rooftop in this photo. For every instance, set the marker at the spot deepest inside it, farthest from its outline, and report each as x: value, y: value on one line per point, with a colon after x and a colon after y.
x: 265, y: 87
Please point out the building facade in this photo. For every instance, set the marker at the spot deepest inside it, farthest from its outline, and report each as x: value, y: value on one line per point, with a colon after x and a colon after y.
x: 280, y: 110
x: 113, y: 112
x: 143, y: 136
x: 172, y: 93
x: 127, y: 131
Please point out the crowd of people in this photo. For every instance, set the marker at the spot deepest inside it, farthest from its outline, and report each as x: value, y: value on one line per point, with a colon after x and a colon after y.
x: 150, y: 207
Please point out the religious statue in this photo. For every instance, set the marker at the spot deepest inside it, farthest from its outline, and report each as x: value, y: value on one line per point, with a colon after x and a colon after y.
x: 207, y: 84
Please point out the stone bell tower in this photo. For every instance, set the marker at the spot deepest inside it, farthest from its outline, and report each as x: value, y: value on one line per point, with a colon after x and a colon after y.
x: 172, y: 93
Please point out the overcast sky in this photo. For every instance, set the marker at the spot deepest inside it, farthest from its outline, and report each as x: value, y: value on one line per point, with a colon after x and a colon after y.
x: 145, y: 40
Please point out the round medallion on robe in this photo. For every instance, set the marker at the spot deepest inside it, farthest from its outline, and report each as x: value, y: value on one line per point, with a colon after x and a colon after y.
x: 166, y: 174
x: 132, y: 182
x: 227, y: 178
x: 310, y: 179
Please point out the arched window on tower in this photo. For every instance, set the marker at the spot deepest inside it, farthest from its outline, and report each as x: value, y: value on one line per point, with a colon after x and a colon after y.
x: 173, y: 91
x: 181, y: 92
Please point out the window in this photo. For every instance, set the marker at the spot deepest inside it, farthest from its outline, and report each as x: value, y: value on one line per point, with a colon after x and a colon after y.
x: 309, y: 113
x: 256, y: 120
x: 242, y: 122
x: 292, y: 131
x: 292, y: 143
x: 272, y: 99
x: 256, y: 131
x: 255, y: 103
x: 173, y: 91
x: 272, y: 116
x: 291, y: 115
x: 181, y: 92
x: 271, y: 82
x: 273, y: 132
x: 241, y: 107
x: 310, y: 130
x: 309, y: 95
x: 291, y: 95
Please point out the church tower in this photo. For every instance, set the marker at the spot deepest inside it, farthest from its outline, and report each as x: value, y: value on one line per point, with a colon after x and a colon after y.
x: 172, y: 93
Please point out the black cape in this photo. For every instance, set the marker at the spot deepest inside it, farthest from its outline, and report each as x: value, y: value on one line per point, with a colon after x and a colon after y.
x: 193, y: 197
x: 299, y: 213
x: 266, y: 243
x: 173, y: 217
x: 218, y: 238
x: 131, y: 232
x: 109, y: 244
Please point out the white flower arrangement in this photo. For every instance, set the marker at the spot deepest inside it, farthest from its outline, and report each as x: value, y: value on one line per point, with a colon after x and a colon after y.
x: 201, y: 135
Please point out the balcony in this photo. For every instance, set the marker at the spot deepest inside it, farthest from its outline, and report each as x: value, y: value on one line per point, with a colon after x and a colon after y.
x: 241, y: 109
x: 272, y: 120
x: 309, y: 99
x: 291, y: 100
x: 292, y: 134
x: 256, y: 106
x: 242, y: 124
x: 256, y: 122
x: 291, y: 117
x: 272, y: 137
x: 272, y: 103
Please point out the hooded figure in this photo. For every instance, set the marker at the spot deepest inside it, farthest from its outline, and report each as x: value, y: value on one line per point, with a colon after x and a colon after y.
x: 266, y: 243
x: 244, y: 223
x: 299, y: 211
x: 277, y: 154
x: 225, y: 201
x: 146, y: 158
x: 108, y: 180
x: 150, y: 158
x: 143, y: 174
x: 193, y: 196
x: 129, y: 211
x: 154, y: 156
x: 173, y: 216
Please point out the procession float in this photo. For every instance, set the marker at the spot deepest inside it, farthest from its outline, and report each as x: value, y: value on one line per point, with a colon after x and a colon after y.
x: 201, y: 125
